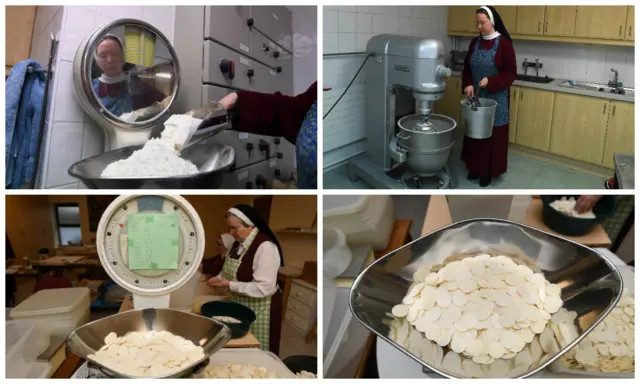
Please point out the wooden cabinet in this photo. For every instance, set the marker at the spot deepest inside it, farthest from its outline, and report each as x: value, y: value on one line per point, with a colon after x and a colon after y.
x: 462, y: 19
x: 529, y: 20
x: 293, y: 212
x: 19, y: 31
x: 598, y: 22
x: 535, y: 110
x: 560, y: 21
x: 449, y: 105
x: 620, y: 131
x: 514, y: 101
x: 508, y: 13
x: 301, y: 309
x: 579, y: 127
x: 631, y: 24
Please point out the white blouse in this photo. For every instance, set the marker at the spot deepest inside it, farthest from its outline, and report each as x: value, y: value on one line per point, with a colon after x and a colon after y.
x: 266, y: 264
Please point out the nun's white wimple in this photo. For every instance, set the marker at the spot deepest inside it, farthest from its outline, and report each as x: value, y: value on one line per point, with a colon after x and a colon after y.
x: 490, y: 14
x: 237, y: 213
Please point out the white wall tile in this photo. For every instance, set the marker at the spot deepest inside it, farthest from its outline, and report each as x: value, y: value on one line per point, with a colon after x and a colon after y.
x: 161, y: 17
x: 347, y: 22
x: 92, y: 139
x: 330, y: 21
x: 330, y: 43
x: 102, y: 20
x: 121, y: 12
x: 65, y: 150
x: 363, y: 39
x: 404, y: 25
x: 347, y: 42
x: 79, y: 22
x: 404, y: 11
x: 344, y: 8
x: 41, y: 42
x: 67, y: 107
x: 364, y: 21
x: 44, y: 15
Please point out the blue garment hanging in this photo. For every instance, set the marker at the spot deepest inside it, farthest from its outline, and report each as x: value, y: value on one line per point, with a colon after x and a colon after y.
x: 24, y: 97
x: 307, y: 150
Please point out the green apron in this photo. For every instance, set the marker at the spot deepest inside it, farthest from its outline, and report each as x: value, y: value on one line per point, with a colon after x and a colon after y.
x: 261, y: 306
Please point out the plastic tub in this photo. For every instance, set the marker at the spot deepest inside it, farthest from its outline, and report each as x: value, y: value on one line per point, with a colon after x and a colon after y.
x: 56, y: 311
x: 184, y: 297
x: 299, y: 363
x: 336, y: 254
x: 231, y: 309
x: 574, y: 226
x: 363, y: 219
x: 24, y: 342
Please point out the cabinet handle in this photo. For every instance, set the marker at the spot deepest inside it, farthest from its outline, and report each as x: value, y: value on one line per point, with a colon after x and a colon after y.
x: 604, y: 110
x: 521, y: 95
x: 539, y: 23
x: 546, y: 27
x: 620, y: 31
x: 629, y: 31
x: 613, y: 113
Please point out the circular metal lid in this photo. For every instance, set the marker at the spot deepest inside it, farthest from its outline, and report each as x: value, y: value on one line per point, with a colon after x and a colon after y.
x: 426, y: 124
x: 150, y: 245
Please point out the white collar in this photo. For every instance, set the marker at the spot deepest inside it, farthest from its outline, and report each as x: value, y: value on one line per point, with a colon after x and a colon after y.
x: 112, y: 80
x: 491, y: 36
x: 246, y: 243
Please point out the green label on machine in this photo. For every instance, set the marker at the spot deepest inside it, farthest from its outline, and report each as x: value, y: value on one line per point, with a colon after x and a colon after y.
x: 153, y: 241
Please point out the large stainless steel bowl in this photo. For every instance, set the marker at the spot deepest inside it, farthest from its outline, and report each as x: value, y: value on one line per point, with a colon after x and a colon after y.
x: 210, y: 334
x: 212, y: 160
x: 591, y: 284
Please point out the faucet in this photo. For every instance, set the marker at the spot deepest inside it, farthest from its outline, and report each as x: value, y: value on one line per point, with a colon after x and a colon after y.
x: 525, y: 65
x: 615, y: 83
x: 538, y: 66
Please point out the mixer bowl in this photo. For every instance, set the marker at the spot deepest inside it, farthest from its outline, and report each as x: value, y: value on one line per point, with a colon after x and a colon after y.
x: 427, y: 151
x: 212, y: 160
x: 208, y: 333
x: 591, y: 284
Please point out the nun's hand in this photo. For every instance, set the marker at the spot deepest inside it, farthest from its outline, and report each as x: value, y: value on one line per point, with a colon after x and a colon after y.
x: 469, y: 91
x: 218, y: 282
x: 484, y: 82
x: 585, y: 203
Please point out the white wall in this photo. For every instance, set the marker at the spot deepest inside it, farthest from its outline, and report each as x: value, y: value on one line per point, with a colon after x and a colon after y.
x: 305, y: 47
x: 71, y: 135
x: 347, y: 29
x: 581, y: 62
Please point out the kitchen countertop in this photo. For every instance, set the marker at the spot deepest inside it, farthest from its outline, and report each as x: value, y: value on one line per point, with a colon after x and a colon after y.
x: 555, y: 87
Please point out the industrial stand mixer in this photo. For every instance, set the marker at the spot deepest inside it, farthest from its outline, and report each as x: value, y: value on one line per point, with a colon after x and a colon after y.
x: 404, y: 77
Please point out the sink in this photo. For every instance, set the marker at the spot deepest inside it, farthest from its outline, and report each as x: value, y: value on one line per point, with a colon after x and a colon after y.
x: 595, y: 87
x: 534, y: 79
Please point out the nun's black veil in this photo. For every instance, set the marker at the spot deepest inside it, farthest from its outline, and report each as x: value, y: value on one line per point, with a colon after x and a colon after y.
x: 262, y: 226
x: 498, y: 24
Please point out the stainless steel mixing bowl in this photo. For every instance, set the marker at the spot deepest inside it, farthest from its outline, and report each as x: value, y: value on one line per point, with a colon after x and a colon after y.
x: 591, y: 284
x: 208, y: 333
x: 212, y: 160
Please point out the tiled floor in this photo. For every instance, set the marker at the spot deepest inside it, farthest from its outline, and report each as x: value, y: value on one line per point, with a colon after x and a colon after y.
x: 523, y: 173
x: 292, y: 343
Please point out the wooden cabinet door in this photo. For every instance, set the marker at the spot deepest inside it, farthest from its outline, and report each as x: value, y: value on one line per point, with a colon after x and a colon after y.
x: 514, y: 99
x: 535, y: 109
x: 631, y: 24
x: 449, y: 105
x: 620, y: 132
x: 597, y: 22
x: 462, y: 19
x: 508, y: 13
x: 529, y: 20
x: 579, y: 127
x: 560, y: 20
x: 19, y: 30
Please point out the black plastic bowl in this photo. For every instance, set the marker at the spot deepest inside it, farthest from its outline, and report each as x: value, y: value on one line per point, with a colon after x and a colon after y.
x: 299, y: 363
x: 231, y: 309
x: 574, y: 226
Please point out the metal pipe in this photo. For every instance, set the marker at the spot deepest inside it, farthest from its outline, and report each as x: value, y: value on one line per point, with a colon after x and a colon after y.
x: 343, y: 54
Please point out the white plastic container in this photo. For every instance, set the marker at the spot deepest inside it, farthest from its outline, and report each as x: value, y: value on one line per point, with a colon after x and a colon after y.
x: 56, y: 311
x: 363, y: 219
x: 336, y: 254
x: 24, y: 342
x: 183, y: 298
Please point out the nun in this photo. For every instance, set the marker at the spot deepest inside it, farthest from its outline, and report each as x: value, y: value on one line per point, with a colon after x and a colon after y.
x: 250, y: 272
x: 489, y: 69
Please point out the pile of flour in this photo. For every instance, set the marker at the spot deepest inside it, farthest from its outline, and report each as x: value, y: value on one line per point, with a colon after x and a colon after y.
x: 159, y: 157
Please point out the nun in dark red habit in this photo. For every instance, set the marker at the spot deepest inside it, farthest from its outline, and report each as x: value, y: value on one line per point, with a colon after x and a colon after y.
x: 250, y: 272
x: 491, y: 65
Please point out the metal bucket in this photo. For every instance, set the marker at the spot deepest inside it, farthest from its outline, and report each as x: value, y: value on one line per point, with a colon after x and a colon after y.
x: 479, y: 122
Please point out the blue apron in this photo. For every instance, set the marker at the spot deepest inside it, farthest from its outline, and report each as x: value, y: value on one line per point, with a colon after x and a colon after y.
x: 483, y: 64
x: 307, y: 150
x: 116, y: 105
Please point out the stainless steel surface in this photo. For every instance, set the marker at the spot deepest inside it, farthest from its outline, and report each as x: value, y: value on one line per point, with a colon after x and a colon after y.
x: 591, y: 284
x: 534, y: 79
x: 596, y: 87
x: 479, y: 119
x: 625, y: 170
x: 82, y: 69
x: 213, y: 161
x: 208, y: 333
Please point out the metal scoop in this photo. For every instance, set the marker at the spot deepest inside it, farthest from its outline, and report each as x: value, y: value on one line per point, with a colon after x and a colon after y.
x: 474, y: 101
x: 215, y: 119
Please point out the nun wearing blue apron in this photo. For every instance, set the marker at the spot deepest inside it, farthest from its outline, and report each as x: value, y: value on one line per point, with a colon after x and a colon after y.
x: 291, y: 117
x: 489, y: 69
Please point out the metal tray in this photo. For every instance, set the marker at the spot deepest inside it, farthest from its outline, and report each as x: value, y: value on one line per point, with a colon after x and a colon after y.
x: 213, y: 161
x: 210, y: 334
x: 591, y: 283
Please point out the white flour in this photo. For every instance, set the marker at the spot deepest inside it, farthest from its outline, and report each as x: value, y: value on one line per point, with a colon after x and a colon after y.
x: 158, y: 157
x: 568, y: 207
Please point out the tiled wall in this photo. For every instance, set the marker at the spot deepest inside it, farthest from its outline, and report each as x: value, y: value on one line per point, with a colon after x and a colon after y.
x: 71, y: 135
x: 347, y: 29
x: 305, y: 46
x: 581, y: 62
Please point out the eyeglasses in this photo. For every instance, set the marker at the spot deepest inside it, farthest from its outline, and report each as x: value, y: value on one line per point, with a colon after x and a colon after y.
x: 233, y: 229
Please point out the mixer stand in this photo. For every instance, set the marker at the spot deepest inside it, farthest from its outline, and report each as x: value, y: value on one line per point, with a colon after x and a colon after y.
x: 360, y: 168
